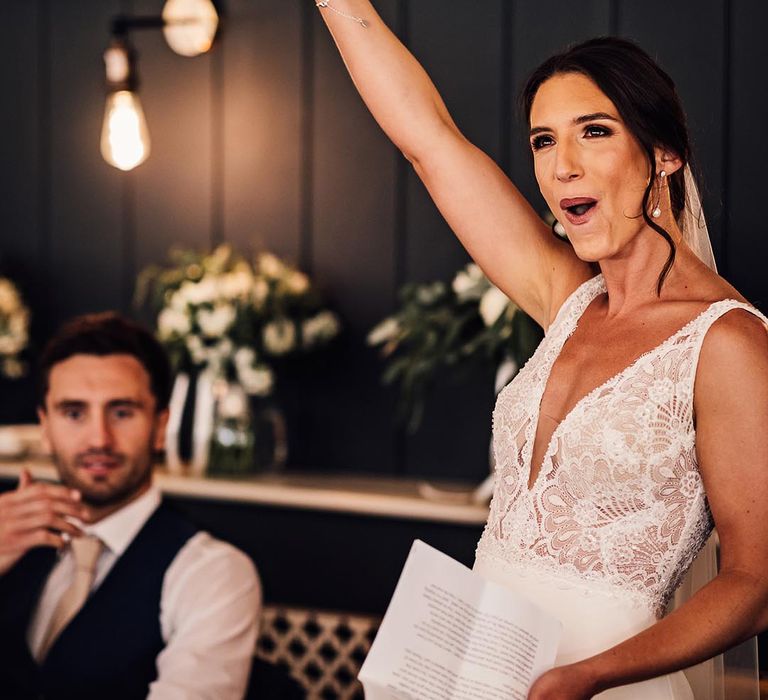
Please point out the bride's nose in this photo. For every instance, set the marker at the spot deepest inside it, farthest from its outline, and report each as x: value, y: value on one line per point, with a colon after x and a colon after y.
x: 567, y: 164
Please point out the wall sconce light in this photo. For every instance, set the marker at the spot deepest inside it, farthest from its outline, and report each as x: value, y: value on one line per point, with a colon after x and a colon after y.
x: 189, y: 27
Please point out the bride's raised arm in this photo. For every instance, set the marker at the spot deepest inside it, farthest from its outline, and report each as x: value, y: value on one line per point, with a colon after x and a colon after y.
x: 492, y: 219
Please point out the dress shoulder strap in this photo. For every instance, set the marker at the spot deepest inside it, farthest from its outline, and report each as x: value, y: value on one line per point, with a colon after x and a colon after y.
x: 573, y: 307
x: 702, y: 324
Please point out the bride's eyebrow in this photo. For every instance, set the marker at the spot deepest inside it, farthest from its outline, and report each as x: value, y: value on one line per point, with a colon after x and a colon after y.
x: 594, y: 116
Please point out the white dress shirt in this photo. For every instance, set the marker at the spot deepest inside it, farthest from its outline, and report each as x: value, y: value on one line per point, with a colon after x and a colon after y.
x: 209, y: 607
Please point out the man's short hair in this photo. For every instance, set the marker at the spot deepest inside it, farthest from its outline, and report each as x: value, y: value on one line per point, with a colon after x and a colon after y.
x: 104, y: 334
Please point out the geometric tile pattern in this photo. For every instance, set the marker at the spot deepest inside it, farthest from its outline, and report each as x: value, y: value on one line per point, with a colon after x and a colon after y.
x: 322, y: 650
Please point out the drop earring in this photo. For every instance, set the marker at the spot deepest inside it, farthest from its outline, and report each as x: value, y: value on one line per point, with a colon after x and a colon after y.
x: 656, y: 213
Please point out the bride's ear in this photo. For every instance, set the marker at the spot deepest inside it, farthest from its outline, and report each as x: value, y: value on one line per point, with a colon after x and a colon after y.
x: 667, y: 160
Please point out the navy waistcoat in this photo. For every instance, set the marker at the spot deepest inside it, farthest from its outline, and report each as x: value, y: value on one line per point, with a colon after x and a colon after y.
x: 109, y: 648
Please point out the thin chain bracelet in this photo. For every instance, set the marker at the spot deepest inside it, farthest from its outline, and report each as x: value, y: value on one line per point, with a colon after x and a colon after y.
x: 327, y: 3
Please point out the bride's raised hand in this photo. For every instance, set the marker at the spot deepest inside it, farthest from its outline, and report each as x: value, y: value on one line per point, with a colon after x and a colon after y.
x: 571, y: 682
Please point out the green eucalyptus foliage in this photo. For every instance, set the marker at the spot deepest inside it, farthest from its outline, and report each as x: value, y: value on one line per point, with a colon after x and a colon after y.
x: 440, y: 327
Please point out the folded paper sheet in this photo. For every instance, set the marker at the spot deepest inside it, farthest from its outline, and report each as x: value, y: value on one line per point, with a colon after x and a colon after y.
x: 449, y: 634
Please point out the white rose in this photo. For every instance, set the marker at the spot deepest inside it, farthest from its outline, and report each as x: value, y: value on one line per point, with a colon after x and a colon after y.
x: 203, y: 292
x: 474, y: 271
x: 180, y: 297
x: 218, y: 258
x: 279, y: 337
x: 271, y: 265
x: 18, y: 323
x: 217, y: 321
x: 256, y: 381
x: 12, y: 368
x: 320, y: 328
x: 9, y: 297
x: 9, y: 345
x: 176, y: 300
x: 260, y: 291
x: 470, y: 283
x: 429, y: 293
x: 172, y: 321
x: 245, y: 357
x: 463, y: 284
x: 493, y: 304
x: 16, y: 332
x: 235, y: 285
x: 385, y: 331
x: 297, y: 282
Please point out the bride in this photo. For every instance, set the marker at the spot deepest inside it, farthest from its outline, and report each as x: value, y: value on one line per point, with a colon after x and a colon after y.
x: 639, y: 421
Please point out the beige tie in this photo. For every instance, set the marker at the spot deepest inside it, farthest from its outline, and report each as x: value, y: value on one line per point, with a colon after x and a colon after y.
x: 86, y: 551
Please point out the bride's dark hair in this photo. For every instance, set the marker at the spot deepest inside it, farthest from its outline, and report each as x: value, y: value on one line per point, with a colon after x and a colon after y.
x: 647, y: 101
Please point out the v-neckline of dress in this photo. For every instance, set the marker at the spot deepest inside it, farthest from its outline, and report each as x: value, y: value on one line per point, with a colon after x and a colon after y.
x: 599, y: 288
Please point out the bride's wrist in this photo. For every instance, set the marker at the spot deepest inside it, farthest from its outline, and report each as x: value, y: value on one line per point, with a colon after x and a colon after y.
x: 592, y: 675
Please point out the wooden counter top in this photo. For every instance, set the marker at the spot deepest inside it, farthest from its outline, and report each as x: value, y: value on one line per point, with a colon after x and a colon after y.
x: 349, y: 493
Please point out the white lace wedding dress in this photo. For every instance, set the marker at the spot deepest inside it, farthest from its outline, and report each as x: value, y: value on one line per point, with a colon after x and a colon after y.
x: 618, y: 511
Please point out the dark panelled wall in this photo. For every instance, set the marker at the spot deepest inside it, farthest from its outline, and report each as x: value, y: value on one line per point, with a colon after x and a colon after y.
x: 263, y: 142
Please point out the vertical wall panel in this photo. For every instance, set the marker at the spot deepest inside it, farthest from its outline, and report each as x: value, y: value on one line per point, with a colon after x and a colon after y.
x: 173, y: 187
x: 540, y: 29
x: 20, y: 147
x: 698, y: 71
x: 21, y: 177
x: 747, y: 243
x: 85, y: 241
x: 462, y: 52
x: 353, y: 253
x: 262, y: 137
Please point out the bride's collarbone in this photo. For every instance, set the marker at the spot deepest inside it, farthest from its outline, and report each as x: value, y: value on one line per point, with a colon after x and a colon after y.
x: 599, y: 349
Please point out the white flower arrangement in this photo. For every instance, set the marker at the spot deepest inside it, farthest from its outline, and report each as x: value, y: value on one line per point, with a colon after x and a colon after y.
x: 219, y: 311
x: 14, y: 330
x: 442, y: 326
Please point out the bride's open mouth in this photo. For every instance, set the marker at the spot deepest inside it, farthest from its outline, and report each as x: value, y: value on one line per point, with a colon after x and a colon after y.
x: 578, y: 210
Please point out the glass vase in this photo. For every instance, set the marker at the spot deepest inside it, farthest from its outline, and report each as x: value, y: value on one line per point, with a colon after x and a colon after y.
x: 231, y: 448
x: 248, y: 434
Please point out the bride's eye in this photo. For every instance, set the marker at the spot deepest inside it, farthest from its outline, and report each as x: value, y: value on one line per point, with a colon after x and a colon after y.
x: 539, y: 142
x: 596, y: 130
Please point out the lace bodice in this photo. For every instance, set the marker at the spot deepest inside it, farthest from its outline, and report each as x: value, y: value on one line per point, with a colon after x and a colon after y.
x: 619, y: 503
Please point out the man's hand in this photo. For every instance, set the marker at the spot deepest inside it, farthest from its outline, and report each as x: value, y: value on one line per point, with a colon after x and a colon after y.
x: 35, y: 515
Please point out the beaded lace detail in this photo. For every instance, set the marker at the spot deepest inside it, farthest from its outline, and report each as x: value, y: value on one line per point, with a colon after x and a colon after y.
x: 618, y: 505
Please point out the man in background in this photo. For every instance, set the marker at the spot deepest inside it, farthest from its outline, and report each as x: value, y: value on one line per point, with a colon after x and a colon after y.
x: 106, y: 592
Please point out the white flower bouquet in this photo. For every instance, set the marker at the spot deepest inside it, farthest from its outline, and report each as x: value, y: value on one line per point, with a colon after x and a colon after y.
x: 14, y: 330
x: 439, y: 327
x: 219, y: 311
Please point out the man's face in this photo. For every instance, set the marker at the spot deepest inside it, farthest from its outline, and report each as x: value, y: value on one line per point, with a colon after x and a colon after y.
x: 101, y: 427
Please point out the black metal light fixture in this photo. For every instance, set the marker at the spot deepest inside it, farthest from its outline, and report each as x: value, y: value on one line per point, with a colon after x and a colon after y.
x: 189, y: 27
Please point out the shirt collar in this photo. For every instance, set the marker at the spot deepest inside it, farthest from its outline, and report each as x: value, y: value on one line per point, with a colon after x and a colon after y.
x: 117, y: 530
